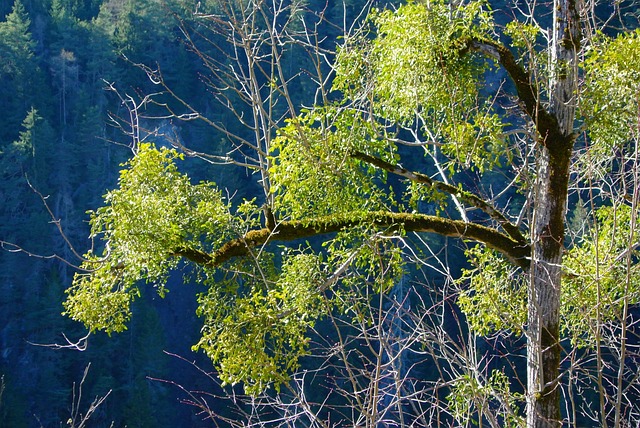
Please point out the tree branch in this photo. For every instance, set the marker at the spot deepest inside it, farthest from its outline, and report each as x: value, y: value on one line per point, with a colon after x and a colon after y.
x: 467, y: 197
x: 516, y: 252
x: 546, y: 123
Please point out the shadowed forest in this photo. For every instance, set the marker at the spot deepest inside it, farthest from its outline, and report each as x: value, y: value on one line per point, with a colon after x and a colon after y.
x: 61, y: 140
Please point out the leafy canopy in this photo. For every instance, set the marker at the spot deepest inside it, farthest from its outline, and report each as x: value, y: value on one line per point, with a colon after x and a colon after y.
x: 256, y: 317
x: 413, y: 70
x: 154, y: 212
x: 417, y: 69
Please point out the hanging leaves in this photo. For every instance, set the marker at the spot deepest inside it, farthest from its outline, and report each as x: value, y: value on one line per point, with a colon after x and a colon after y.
x: 154, y: 213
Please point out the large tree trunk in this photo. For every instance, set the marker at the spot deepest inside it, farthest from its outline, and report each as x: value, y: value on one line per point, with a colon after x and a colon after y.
x: 544, y: 351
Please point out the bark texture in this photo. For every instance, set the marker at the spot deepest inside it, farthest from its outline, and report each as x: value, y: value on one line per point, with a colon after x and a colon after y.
x: 409, y: 222
x: 543, y: 336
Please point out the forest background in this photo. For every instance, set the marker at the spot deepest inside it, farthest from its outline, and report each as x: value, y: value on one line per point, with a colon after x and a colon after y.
x: 57, y: 61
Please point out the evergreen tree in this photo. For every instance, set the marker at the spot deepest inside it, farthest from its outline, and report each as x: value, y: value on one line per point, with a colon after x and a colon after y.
x: 18, y: 70
x: 25, y: 161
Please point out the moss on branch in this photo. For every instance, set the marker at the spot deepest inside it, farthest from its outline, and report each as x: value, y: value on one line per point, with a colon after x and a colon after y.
x: 466, y: 196
x: 545, y: 122
x: 516, y: 252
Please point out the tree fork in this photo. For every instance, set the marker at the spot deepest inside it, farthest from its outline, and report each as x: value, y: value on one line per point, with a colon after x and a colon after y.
x: 546, y: 123
x: 466, y: 196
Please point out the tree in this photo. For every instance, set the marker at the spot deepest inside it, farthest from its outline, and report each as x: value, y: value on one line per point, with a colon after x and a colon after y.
x: 27, y: 157
x: 19, y: 71
x: 410, y: 79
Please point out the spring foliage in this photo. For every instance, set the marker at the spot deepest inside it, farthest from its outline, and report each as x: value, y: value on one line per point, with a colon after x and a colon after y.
x: 153, y: 213
x: 413, y: 69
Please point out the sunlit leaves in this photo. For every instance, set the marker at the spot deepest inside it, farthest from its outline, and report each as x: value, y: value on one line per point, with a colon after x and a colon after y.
x: 418, y: 71
x: 257, y: 312
x: 257, y: 333
x: 417, y: 75
x: 478, y: 141
x: 416, y: 60
x: 154, y: 213
x: 522, y: 35
x: 470, y: 399
x: 101, y: 300
x: 597, y: 281
x: 496, y: 297
x: 313, y: 173
x: 612, y: 90
x: 414, y: 63
x: 156, y: 210
x: 596, y: 284
x: 418, y: 192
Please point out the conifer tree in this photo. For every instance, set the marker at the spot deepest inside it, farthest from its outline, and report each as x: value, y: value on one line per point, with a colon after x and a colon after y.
x: 17, y: 71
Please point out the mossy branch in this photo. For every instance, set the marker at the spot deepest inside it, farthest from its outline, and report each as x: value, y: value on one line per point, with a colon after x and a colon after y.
x: 515, y: 251
x: 545, y: 122
x: 465, y: 196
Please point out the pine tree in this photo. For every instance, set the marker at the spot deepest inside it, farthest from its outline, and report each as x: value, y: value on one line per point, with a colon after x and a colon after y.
x: 17, y: 71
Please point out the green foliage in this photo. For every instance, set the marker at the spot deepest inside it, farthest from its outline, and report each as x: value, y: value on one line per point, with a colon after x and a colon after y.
x: 311, y: 162
x: 496, y: 297
x: 413, y: 69
x: 153, y: 214
x: 257, y: 317
x: 378, y: 262
x: 417, y: 70
x: 595, y: 285
x: 256, y: 332
x: 419, y: 192
x: 16, y: 46
x: 19, y: 72
x: 469, y: 398
x: 255, y: 325
x: 416, y: 60
x: 612, y: 91
x: 18, y: 156
x: 477, y: 142
x: 597, y: 281
x: 22, y: 162
x: 522, y: 35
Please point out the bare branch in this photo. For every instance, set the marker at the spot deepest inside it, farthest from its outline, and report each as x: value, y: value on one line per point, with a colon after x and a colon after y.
x: 77, y: 419
x: 79, y: 345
